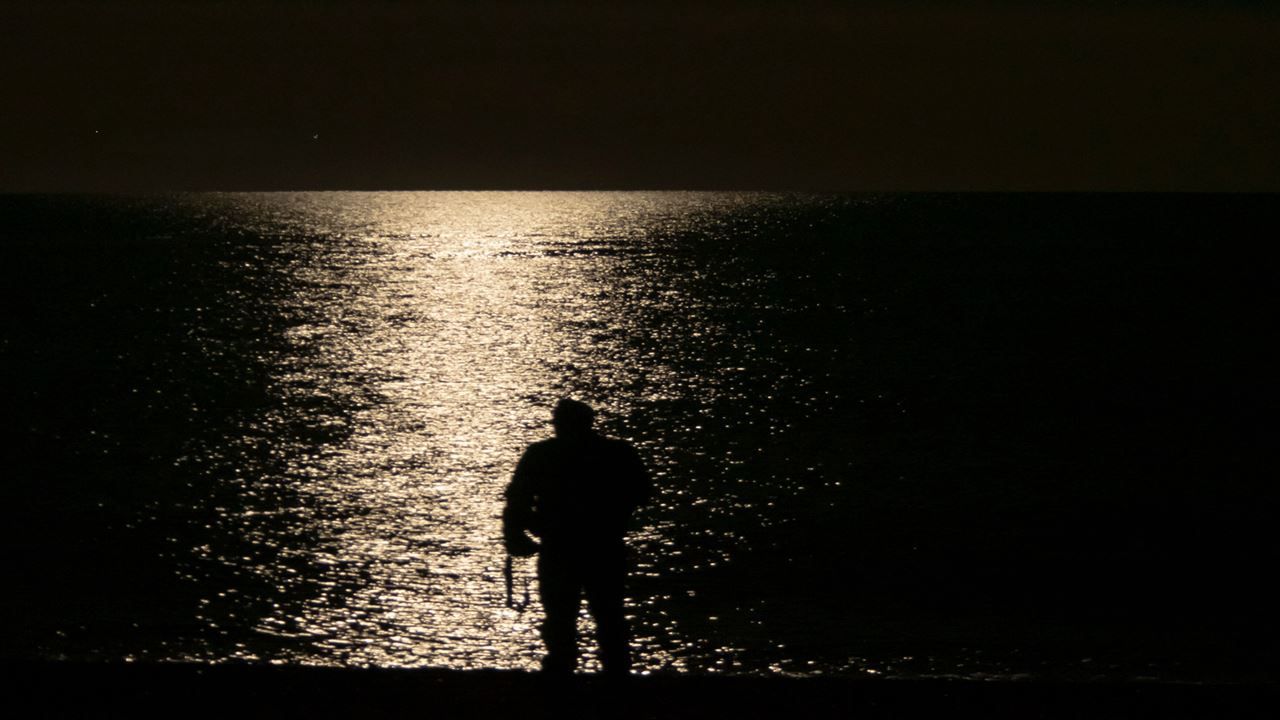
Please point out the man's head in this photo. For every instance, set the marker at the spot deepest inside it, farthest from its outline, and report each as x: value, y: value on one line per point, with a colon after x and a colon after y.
x: 571, y: 418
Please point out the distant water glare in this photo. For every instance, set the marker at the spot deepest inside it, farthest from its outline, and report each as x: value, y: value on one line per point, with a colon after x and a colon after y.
x: 423, y: 340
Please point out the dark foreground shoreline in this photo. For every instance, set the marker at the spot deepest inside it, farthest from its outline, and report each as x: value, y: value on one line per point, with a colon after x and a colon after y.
x: 108, y: 690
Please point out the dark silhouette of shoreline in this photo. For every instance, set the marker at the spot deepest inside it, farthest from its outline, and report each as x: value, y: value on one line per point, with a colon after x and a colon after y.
x: 64, y: 689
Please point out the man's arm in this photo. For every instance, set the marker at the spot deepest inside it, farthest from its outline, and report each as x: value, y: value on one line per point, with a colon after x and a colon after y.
x: 518, y: 515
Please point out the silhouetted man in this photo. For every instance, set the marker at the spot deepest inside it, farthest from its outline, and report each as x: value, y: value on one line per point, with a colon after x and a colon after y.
x: 576, y: 493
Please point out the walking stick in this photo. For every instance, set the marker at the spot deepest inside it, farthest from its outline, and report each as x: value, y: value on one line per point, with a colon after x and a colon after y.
x: 509, y: 575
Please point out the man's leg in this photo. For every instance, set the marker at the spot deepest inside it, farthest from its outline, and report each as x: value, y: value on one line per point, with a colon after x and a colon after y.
x: 605, y: 589
x: 560, y: 593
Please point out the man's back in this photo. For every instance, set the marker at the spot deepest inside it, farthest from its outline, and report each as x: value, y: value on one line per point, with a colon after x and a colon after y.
x: 578, y: 491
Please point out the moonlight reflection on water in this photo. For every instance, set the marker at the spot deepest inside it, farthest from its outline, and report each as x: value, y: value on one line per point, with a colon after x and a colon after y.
x: 427, y: 336
x: 899, y: 435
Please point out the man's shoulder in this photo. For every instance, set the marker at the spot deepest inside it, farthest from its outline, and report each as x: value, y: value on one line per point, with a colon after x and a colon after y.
x: 553, y: 447
x: 541, y: 447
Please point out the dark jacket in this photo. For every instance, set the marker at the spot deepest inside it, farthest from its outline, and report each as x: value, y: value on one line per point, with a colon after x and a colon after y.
x: 576, y: 493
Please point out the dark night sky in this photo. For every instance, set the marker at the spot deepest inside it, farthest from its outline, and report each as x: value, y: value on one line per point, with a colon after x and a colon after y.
x: 481, y: 94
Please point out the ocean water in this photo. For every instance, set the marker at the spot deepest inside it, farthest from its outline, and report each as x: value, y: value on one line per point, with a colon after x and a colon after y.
x: 980, y: 436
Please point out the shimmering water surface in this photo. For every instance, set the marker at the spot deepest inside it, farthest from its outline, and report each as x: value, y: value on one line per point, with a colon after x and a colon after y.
x: 885, y: 431
x: 424, y: 338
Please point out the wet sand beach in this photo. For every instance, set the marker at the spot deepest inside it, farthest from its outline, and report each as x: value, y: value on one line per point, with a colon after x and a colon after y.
x: 128, y: 689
